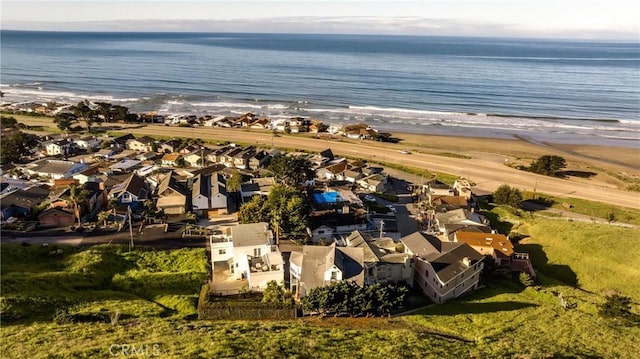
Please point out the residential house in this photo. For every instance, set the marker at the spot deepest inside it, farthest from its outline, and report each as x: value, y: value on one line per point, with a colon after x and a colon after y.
x: 105, y: 153
x: 340, y: 222
x: 462, y: 188
x: 194, y: 159
x: 383, y: 263
x: 172, y: 196
x: 332, y: 172
x: 192, y: 148
x: 91, y: 174
x: 213, y: 121
x: 448, y: 203
x: 334, y: 129
x: 57, y: 217
x: 459, y: 216
x: 169, y: 146
x: 443, y: 270
x: 496, y: 245
x: 63, y: 147
x: 229, y: 158
x: 124, y: 166
x: 437, y: 188
x: 259, y: 160
x: 261, y: 124
x: 121, y: 142
x: 251, y: 254
x: 209, y: 195
x: 55, y: 169
x: 319, y: 266
x: 352, y: 176
x: 131, y: 191
x: 241, y: 159
x: 322, y: 234
x: 142, y: 144
x: 373, y: 183
x: 148, y: 156
x: 88, y: 142
x: 260, y: 186
x: 171, y: 160
x: 21, y: 202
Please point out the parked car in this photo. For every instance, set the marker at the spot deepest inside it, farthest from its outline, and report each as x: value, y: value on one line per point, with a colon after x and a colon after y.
x: 391, y: 208
x: 370, y: 198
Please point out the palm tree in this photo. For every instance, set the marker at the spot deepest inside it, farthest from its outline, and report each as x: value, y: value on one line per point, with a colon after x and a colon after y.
x: 77, y: 196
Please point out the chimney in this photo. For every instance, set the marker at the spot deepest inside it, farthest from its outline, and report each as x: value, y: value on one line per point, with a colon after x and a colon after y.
x: 466, y: 261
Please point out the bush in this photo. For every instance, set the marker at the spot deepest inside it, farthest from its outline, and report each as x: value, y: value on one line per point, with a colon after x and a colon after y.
x: 525, y: 279
x: 508, y: 196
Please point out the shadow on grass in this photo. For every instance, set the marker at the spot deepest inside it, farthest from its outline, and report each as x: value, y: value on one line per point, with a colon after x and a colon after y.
x: 454, y: 308
x: 581, y: 174
x: 540, y: 261
x: 503, y: 227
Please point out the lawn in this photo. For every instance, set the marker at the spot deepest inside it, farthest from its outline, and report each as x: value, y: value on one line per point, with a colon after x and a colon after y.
x: 595, y: 257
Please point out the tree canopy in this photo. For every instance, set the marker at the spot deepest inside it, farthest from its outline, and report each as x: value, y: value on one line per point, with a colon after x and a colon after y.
x: 548, y: 165
x: 292, y: 170
x: 346, y: 297
x: 17, y: 145
x: 285, y: 208
x: 506, y: 195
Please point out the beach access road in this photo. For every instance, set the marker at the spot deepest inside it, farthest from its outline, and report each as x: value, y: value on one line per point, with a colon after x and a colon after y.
x: 487, y: 175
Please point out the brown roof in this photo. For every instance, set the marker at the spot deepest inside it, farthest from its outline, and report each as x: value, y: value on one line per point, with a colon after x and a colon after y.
x: 171, y: 156
x: 458, y: 201
x: 498, y: 242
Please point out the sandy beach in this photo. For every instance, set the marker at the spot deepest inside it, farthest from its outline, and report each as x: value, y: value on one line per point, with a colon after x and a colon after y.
x: 486, y: 167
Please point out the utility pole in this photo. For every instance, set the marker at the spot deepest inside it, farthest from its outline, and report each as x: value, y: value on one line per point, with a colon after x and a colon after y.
x: 130, y: 230
x: 381, y: 226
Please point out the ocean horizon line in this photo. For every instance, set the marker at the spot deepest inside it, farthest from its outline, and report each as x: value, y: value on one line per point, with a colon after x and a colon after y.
x: 191, y: 32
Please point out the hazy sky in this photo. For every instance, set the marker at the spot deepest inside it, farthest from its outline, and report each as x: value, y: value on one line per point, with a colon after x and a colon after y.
x: 601, y: 19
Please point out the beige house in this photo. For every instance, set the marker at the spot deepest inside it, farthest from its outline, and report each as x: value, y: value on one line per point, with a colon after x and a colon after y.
x: 443, y: 270
x: 172, y: 196
x: 383, y: 263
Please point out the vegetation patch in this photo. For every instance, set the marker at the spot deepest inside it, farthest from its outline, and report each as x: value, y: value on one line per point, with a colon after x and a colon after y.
x: 40, y: 282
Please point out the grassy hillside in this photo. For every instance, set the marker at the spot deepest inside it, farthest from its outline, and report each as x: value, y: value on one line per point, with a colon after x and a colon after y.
x: 595, y: 257
x: 94, y: 282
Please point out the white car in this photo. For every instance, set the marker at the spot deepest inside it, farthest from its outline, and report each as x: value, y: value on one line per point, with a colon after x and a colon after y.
x: 405, y: 152
x: 370, y: 198
x: 391, y: 208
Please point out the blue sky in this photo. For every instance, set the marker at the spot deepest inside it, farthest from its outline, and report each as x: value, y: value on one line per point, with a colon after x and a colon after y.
x: 602, y: 19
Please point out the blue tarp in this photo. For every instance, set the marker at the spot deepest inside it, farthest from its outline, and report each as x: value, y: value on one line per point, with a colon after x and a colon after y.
x: 327, y: 197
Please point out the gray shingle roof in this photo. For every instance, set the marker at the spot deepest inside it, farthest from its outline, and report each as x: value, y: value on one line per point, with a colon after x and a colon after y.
x: 251, y: 234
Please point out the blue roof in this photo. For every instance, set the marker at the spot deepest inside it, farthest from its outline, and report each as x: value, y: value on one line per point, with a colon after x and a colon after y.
x: 327, y: 197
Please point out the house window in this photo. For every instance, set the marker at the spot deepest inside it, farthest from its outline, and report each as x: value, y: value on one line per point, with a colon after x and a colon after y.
x: 222, y: 251
x: 426, y: 273
x: 334, y: 275
x: 256, y: 252
x: 321, y: 232
x: 370, y: 271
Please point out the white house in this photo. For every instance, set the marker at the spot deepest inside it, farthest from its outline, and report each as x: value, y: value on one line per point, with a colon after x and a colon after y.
x: 59, y: 147
x: 373, y: 183
x: 88, y: 142
x: 443, y: 270
x: 251, y: 254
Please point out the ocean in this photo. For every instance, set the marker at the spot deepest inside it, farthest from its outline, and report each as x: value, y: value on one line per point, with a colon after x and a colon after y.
x: 544, y: 90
